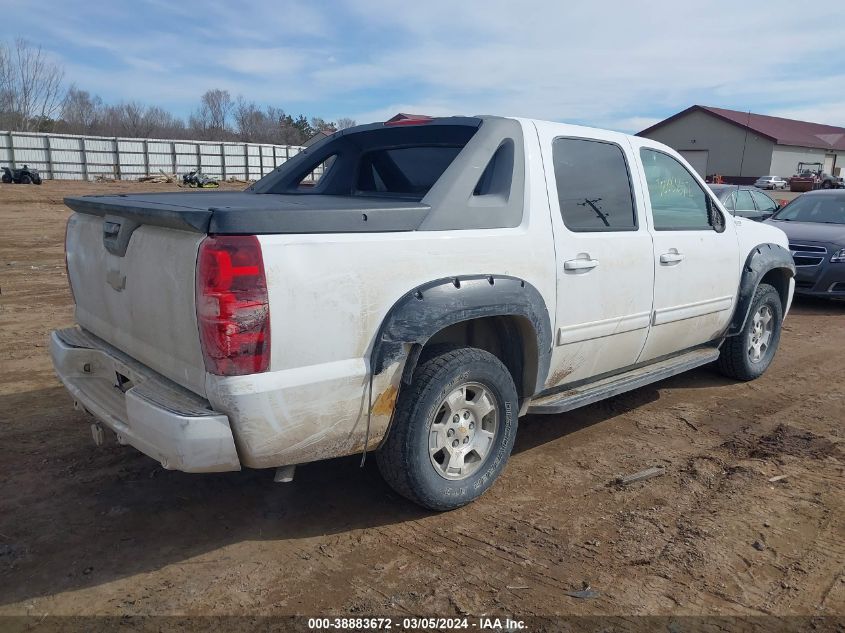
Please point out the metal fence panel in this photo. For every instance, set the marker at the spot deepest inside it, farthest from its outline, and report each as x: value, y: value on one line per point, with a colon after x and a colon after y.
x: 73, y: 157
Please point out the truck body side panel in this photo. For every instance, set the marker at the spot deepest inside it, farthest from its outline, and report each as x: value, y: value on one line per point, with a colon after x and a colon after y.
x: 329, y: 295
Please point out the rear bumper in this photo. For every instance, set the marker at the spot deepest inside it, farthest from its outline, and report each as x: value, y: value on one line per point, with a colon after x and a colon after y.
x: 149, y: 412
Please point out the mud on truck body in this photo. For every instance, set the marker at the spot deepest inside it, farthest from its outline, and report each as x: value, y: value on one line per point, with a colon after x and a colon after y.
x: 441, y: 278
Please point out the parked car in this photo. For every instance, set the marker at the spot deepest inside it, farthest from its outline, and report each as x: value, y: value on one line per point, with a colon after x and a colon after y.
x: 771, y: 182
x: 829, y: 181
x: 745, y: 202
x: 24, y: 176
x: 815, y: 225
x: 416, y: 300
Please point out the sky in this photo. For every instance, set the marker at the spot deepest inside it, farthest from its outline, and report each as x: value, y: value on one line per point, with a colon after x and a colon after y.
x: 616, y: 64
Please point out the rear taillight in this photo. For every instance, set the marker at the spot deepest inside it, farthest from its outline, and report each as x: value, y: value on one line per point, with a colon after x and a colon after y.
x: 67, y: 268
x: 232, y: 309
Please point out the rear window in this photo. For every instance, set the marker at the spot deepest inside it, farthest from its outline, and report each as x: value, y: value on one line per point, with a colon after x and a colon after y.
x: 404, y: 170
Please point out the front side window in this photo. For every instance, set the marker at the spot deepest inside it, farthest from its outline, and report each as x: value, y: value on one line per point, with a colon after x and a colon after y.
x: 593, y: 186
x: 677, y: 200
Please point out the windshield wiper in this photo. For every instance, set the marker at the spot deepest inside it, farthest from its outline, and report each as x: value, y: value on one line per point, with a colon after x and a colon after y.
x: 601, y: 215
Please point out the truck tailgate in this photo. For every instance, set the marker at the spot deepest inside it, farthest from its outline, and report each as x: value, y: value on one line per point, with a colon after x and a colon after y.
x: 142, y: 302
x: 132, y: 259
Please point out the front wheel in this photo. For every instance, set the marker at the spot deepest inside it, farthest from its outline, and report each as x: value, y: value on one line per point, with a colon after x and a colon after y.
x: 748, y: 355
x: 453, y: 430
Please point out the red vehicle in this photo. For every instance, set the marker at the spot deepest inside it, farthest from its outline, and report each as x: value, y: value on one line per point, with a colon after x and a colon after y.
x: 808, y: 177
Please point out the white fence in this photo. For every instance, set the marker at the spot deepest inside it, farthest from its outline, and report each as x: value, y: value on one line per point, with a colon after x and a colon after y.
x: 69, y: 157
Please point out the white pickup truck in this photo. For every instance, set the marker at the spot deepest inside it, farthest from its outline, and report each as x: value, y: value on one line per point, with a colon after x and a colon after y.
x: 410, y: 288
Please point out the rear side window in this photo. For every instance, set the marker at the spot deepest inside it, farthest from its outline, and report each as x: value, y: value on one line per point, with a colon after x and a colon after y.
x: 593, y: 186
x: 677, y: 200
x: 404, y: 170
x: 313, y: 178
x: 743, y: 201
x: 377, y: 160
x: 764, y: 202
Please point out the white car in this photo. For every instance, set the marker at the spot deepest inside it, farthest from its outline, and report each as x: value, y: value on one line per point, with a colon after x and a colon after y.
x: 770, y: 182
x: 441, y: 278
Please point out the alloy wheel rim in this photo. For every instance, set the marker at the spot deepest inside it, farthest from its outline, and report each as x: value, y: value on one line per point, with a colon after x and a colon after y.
x: 760, y: 337
x: 464, y: 431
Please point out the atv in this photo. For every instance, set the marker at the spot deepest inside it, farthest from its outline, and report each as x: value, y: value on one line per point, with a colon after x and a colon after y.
x: 23, y: 176
x: 197, y: 179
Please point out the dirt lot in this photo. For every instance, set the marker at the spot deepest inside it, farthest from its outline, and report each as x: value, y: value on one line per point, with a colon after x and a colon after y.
x: 107, y: 531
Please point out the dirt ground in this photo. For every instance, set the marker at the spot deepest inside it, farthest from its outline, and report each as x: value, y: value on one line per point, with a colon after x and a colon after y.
x: 107, y: 531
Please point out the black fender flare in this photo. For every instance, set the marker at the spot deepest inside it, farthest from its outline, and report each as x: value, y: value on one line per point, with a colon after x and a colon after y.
x: 762, y: 259
x: 430, y: 307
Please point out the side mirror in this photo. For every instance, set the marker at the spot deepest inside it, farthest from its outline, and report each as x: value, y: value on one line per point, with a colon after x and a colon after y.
x: 715, y: 217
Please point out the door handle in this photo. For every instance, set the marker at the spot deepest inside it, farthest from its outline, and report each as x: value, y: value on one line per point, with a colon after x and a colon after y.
x: 671, y: 258
x: 580, y: 264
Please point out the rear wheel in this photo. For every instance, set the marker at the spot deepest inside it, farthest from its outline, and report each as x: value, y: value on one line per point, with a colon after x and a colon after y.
x: 453, y: 430
x: 25, y: 180
x: 6, y: 178
x: 748, y: 355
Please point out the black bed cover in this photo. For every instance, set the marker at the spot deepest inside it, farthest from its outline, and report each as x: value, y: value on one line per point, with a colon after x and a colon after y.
x: 248, y: 213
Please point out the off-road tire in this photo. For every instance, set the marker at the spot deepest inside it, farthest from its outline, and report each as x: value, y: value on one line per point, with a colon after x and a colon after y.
x: 734, y: 360
x: 25, y: 180
x: 6, y: 179
x: 404, y: 459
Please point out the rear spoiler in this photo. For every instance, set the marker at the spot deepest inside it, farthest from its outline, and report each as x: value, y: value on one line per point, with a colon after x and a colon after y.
x: 248, y: 213
x: 144, y: 212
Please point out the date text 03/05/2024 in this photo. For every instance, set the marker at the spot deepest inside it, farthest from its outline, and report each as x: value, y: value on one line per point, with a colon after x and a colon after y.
x: 410, y: 623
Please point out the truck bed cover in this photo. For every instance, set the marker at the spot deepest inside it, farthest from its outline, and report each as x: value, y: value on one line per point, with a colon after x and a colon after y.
x: 249, y: 213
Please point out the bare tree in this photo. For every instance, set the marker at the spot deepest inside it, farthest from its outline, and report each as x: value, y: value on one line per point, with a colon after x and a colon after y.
x: 344, y: 122
x: 30, y: 85
x: 212, y: 118
x: 5, y: 81
x: 251, y: 124
x: 321, y: 125
x: 136, y: 120
x: 132, y: 120
x: 81, y: 112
